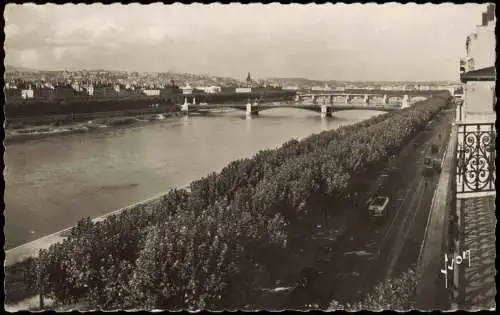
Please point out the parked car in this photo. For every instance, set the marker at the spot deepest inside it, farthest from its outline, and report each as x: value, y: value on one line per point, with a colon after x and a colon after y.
x: 431, y: 166
x: 434, y: 149
x: 378, y: 206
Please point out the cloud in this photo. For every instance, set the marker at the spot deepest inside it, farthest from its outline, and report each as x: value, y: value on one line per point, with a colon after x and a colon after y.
x: 365, y: 42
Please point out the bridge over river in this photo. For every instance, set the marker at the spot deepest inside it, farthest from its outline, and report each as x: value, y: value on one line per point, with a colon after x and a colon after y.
x: 325, y: 103
x: 254, y: 109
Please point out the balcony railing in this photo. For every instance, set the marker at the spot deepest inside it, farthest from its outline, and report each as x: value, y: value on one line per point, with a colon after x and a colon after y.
x: 475, y: 172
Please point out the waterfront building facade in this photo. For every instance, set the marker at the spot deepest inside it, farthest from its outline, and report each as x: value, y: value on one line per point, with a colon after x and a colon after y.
x: 476, y: 115
x: 473, y: 186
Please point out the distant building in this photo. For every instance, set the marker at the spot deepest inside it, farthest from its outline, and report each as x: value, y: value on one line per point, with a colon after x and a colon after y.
x: 90, y: 90
x: 151, y: 92
x: 76, y: 86
x: 27, y: 93
x: 291, y: 88
x: 209, y: 89
x: 321, y: 88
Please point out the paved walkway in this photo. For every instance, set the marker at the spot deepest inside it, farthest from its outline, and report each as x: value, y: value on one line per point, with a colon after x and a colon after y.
x: 477, y: 283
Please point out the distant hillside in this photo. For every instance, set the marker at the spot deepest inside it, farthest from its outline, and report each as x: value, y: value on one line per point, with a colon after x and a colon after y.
x: 9, y: 68
x: 180, y: 78
x: 188, y: 78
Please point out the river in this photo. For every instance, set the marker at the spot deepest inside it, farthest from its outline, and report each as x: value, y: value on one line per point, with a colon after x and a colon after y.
x: 53, y: 182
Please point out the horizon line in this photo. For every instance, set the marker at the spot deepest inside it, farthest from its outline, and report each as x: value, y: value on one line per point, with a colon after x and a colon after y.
x: 233, y: 78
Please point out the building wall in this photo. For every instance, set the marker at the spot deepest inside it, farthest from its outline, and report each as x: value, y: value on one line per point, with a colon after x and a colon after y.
x: 479, y: 96
x: 27, y: 93
x: 482, y: 47
x: 479, y: 101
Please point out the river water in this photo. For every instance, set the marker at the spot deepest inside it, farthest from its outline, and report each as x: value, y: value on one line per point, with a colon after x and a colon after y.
x: 51, y: 183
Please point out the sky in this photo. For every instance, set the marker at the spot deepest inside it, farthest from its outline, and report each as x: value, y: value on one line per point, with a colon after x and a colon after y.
x: 370, y: 42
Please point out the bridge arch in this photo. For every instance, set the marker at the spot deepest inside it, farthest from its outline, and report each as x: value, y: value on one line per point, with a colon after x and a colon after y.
x: 368, y: 108
x: 327, y: 110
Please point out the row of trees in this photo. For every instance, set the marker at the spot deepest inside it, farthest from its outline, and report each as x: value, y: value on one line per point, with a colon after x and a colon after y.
x: 391, y: 294
x: 200, y: 248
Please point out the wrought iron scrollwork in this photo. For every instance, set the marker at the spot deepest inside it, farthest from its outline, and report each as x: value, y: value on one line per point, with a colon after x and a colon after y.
x: 476, y: 158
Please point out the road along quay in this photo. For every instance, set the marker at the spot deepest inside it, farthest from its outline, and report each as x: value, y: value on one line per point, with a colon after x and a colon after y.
x: 368, y: 251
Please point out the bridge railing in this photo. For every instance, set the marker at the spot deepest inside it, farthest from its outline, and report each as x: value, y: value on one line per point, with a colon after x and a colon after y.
x: 475, y: 172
